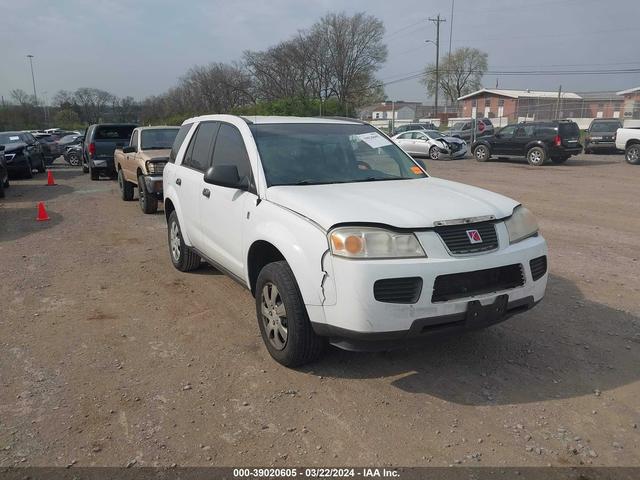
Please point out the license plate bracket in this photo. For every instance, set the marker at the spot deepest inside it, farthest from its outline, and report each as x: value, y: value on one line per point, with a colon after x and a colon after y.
x: 478, y: 313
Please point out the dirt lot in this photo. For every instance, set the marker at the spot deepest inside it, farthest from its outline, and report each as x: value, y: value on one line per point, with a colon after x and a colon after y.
x: 109, y: 356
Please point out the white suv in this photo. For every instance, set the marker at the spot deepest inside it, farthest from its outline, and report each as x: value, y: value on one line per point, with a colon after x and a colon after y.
x: 341, y: 237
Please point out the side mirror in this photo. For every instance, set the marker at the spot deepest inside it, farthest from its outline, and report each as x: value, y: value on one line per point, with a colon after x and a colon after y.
x: 128, y: 149
x: 225, y: 176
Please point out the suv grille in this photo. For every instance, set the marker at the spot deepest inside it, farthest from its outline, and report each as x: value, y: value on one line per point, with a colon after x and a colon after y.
x: 398, y: 290
x: 538, y: 267
x: 458, y: 242
x: 467, y: 284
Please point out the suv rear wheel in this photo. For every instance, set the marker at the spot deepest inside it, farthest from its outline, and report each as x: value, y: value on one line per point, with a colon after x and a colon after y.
x: 481, y: 152
x: 282, y: 317
x: 632, y: 154
x: 182, y: 256
x: 536, y: 156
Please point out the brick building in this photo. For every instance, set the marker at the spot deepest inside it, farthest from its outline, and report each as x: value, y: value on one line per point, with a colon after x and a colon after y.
x: 630, y: 103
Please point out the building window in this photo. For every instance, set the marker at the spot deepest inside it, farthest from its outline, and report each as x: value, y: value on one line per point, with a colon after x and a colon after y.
x: 487, y: 102
x: 501, y: 102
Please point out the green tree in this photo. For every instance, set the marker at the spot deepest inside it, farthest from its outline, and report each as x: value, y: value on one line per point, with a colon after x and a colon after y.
x: 460, y: 73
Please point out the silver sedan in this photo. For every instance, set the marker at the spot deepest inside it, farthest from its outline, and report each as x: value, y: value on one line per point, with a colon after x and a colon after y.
x: 430, y: 143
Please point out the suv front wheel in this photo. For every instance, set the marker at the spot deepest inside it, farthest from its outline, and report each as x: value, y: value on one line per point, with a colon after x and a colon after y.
x: 481, y: 152
x: 182, y: 256
x: 282, y: 317
x: 536, y: 156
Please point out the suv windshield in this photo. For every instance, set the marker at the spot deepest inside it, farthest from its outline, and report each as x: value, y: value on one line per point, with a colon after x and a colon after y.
x: 318, y: 153
x: 158, y: 138
x: 7, y: 138
x: 605, y: 126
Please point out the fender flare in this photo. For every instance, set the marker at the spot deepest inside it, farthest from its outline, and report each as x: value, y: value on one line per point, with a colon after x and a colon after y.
x: 171, y: 196
x: 536, y: 143
x: 303, y: 244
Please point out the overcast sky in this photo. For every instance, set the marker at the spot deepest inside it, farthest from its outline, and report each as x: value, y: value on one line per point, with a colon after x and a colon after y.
x: 141, y: 47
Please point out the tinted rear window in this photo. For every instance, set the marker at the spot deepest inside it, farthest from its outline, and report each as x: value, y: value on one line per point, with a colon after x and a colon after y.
x: 568, y: 130
x: 114, y: 132
x: 605, y: 126
x: 177, y: 142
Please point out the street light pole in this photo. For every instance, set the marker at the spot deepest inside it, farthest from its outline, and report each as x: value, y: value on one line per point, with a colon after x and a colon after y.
x: 33, y: 78
x: 437, y: 21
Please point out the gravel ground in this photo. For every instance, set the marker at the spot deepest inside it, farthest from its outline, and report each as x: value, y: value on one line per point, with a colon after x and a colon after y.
x: 109, y: 356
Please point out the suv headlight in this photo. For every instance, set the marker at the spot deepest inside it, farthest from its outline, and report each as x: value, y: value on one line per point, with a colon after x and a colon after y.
x: 521, y: 224
x: 370, y: 242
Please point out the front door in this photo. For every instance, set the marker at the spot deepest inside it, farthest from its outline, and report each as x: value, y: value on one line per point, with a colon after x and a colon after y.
x: 225, y: 211
x: 189, y: 179
x: 501, y: 144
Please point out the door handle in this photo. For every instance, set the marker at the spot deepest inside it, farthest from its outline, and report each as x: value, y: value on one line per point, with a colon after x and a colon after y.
x: 178, y: 181
x: 206, y: 192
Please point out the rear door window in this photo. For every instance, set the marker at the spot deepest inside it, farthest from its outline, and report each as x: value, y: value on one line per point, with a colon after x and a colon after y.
x: 114, y: 132
x: 199, y: 152
x: 177, y: 143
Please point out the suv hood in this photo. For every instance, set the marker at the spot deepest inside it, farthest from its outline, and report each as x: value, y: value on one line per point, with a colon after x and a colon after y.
x: 398, y: 203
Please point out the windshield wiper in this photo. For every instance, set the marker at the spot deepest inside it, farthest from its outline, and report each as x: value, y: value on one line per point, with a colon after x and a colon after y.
x: 155, y: 148
x: 378, y: 179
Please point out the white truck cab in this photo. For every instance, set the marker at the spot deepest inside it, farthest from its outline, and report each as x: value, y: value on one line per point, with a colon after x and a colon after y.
x: 342, y: 237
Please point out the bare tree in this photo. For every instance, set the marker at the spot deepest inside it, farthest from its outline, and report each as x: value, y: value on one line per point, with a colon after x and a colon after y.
x: 460, y: 73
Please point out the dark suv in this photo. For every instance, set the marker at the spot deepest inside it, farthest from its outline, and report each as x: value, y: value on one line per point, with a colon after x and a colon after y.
x: 100, y: 141
x: 601, y: 134
x: 414, y: 126
x: 464, y: 129
x: 536, y: 141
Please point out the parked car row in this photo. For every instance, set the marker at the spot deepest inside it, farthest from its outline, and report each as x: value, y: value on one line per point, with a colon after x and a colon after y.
x: 341, y: 236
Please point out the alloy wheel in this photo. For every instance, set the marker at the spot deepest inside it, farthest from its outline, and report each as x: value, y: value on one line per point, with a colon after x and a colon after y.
x: 175, y: 241
x: 274, y: 316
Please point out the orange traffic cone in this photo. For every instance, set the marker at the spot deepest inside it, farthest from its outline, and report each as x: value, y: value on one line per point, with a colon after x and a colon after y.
x: 42, y: 213
x: 50, y: 180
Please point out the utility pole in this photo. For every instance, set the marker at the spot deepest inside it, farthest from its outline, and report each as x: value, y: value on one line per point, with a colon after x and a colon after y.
x: 393, y: 116
x: 437, y: 21
x: 453, y: 2
x: 33, y: 78
x: 558, y: 103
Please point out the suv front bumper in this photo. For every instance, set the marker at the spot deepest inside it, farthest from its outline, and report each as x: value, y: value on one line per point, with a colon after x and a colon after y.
x: 352, y: 317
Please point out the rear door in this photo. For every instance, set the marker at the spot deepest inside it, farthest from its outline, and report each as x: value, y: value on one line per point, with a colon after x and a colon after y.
x: 224, y: 212
x: 405, y: 142
x: 524, y: 134
x: 569, y: 134
x: 189, y: 179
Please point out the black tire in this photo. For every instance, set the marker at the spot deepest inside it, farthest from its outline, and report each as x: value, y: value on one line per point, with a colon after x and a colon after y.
x: 301, y: 345
x: 1, y: 189
x: 126, y: 188
x: 481, y: 153
x: 632, y: 154
x: 536, y: 156
x: 5, y: 184
x: 93, y: 173
x: 41, y: 167
x: 148, y: 202
x: 434, y: 153
x: 85, y: 168
x: 73, y: 159
x: 185, y: 259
